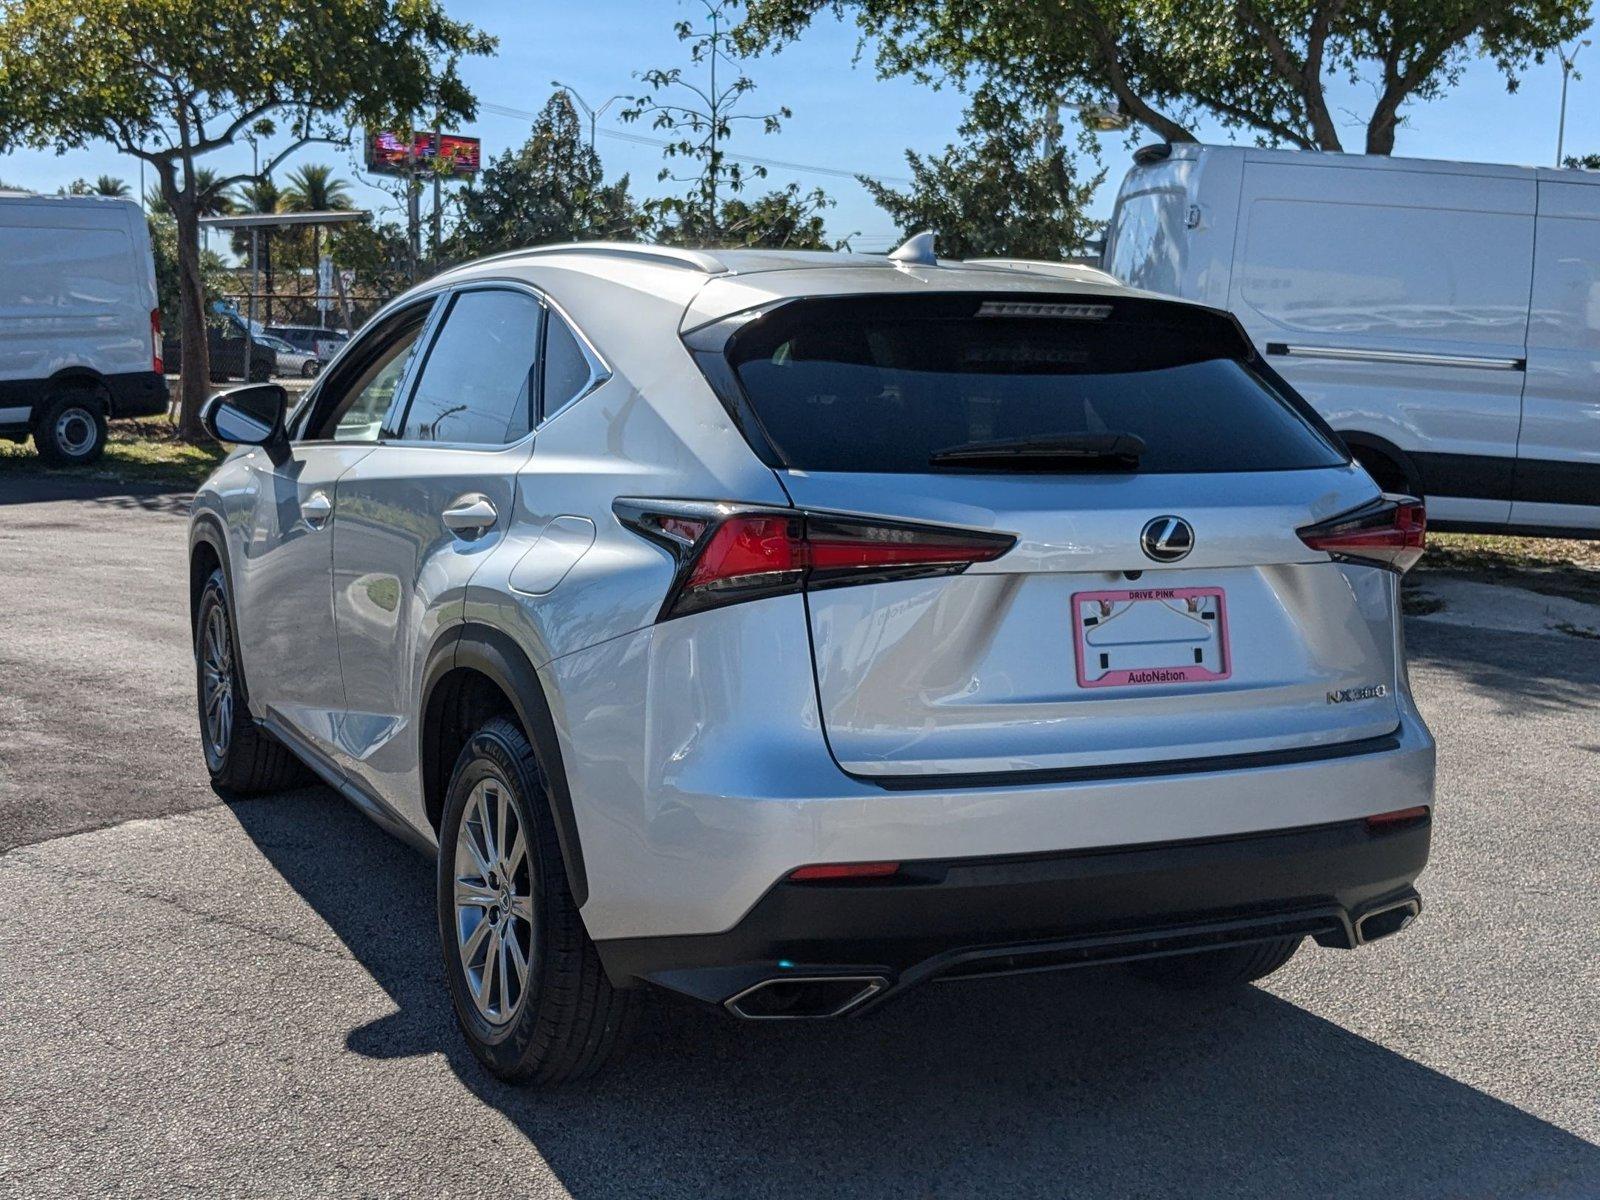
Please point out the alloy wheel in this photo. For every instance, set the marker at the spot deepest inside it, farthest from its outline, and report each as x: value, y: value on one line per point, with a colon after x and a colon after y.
x: 216, y: 674
x: 493, y: 902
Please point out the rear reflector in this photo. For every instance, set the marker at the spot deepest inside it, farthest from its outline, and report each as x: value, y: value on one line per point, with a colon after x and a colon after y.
x: 1390, y: 532
x: 1398, y: 819
x: 836, y: 871
x: 726, y: 554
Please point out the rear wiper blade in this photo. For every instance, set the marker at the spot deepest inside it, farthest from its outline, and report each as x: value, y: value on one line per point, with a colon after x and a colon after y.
x: 1073, y: 449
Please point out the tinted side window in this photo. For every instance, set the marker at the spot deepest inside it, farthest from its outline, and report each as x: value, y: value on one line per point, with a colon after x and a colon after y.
x: 566, y: 367
x: 477, y: 383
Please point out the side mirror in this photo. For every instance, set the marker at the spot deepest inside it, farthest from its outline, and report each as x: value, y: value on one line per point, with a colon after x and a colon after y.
x: 248, y: 416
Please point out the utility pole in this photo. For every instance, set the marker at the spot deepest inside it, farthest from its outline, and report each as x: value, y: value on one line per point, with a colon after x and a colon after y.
x: 1567, y: 59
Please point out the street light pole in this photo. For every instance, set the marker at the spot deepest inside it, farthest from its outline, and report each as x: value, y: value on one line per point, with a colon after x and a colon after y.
x: 1567, y: 59
x: 594, y: 114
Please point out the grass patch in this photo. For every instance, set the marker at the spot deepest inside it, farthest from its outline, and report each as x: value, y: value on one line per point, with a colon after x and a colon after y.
x: 142, y: 451
x: 1552, y: 566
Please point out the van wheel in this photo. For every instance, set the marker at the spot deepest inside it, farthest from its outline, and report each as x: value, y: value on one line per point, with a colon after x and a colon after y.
x: 1233, y: 966
x: 1385, y: 472
x: 526, y: 982
x: 242, y: 758
x: 71, y: 429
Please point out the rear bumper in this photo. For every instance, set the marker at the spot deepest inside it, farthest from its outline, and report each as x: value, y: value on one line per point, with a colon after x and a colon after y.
x: 961, y: 918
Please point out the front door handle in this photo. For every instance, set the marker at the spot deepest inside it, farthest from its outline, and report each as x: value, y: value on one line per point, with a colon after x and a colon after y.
x: 315, y: 509
x: 470, y: 516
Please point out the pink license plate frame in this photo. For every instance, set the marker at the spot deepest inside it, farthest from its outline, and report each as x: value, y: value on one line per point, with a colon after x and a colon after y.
x: 1178, y: 674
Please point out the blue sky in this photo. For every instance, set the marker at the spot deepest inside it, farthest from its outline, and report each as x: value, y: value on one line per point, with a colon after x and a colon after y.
x: 844, y: 117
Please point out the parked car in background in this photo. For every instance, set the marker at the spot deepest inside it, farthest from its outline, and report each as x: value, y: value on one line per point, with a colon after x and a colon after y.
x: 80, y: 329
x: 228, y: 354
x: 1444, y: 317
x: 312, y: 339
x: 292, y: 361
x: 789, y: 629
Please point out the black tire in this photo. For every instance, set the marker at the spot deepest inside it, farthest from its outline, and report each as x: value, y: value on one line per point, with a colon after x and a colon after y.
x: 1385, y: 472
x: 1233, y: 966
x: 260, y: 372
x: 71, y: 428
x: 309, y: 371
x: 248, y: 760
x: 568, y: 1020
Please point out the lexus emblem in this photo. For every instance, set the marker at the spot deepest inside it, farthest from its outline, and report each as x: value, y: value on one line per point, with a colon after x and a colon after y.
x: 1166, y: 539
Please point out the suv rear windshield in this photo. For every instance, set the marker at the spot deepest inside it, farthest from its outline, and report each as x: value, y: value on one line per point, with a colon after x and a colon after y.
x: 879, y: 384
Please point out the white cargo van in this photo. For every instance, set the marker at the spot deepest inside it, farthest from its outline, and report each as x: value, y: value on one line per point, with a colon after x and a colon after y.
x: 1444, y: 317
x: 80, y: 328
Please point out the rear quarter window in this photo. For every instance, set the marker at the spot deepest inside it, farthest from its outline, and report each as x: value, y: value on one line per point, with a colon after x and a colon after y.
x: 881, y: 386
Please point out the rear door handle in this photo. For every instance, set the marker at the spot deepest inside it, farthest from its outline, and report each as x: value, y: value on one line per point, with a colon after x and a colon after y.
x: 470, y: 516
x: 315, y: 509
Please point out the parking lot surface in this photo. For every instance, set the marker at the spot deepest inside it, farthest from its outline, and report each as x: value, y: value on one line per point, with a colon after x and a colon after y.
x: 245, y: 999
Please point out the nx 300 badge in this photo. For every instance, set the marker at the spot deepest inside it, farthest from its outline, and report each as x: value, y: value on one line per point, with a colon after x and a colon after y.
x: 1373, y: 691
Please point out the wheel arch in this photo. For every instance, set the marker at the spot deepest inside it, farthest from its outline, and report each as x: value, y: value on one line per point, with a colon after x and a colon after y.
x: 76, y: 377
x: 462, y: 656
x: 1363, y: 445
x: 208, y: 550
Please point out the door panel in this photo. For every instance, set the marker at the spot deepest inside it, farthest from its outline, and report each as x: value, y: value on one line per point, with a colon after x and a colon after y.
x: 1558, y: 454
x: 399, y: 577
x: 283, y: 591
x: 1396, y: 302
x: 419, y: 518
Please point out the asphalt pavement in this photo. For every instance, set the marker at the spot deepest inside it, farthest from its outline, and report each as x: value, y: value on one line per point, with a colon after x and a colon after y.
x: 245, y: 999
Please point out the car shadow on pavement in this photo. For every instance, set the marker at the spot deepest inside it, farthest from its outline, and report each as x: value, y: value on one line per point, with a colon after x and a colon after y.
x: 26, y: 487
x: 1083, y: 1082
x: 1522, y: 672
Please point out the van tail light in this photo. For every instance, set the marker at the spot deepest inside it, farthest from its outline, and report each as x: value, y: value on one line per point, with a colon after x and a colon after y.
x: 1390, y: 532
x: 156, y: 347
x: 727, y: 553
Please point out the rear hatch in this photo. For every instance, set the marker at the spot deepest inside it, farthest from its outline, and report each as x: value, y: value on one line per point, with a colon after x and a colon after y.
x: 1085, y: 428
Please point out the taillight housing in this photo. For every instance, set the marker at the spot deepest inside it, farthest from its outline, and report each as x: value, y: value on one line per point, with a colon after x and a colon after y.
x: 156, y: 348
x: 1389, y: 532
x: 726, y: 553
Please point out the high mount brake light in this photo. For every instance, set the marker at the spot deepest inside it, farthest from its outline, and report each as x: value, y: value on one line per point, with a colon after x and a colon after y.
x: 1390, y: 532
x: 726, y: 554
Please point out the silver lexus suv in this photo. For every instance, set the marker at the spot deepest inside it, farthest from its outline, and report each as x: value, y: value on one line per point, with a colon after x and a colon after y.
x: 787, y: 630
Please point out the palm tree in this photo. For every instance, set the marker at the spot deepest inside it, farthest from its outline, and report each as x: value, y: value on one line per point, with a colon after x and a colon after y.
x: 315, y: 188
x: 110, y: 185
x: 213, y: 197
x: 260, y: 196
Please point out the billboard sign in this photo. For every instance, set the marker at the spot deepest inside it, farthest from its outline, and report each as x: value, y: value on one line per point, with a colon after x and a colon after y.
x: 388, y: 153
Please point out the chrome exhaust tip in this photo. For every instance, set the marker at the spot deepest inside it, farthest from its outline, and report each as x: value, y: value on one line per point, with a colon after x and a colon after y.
x: 804, y: 997
x: 1387, y: 920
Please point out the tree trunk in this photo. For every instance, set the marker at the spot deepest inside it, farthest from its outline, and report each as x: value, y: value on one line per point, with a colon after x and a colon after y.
x: 195, y: 386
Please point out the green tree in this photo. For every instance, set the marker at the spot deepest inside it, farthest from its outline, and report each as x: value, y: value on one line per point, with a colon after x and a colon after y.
x: 104, y: 185
x: 1582, y: 162
x: 211, y: 198
x: 315, y: 188
x: 258, y: 196
x: 171, y: 81
x: 1008, y: 189
x: 1257, y: 65
x: 701, y: 115
x: 783, y: 219
x: 551, y: 190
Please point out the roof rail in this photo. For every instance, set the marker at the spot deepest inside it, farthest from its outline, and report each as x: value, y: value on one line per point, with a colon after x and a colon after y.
x: 670, y: 256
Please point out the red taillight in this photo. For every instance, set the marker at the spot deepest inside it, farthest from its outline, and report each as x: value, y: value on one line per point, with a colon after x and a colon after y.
x: 156, y: 364
x: 835, y: 871
x: 727, y: 554
x: 1400, y: 818
x: 1391, y: 532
